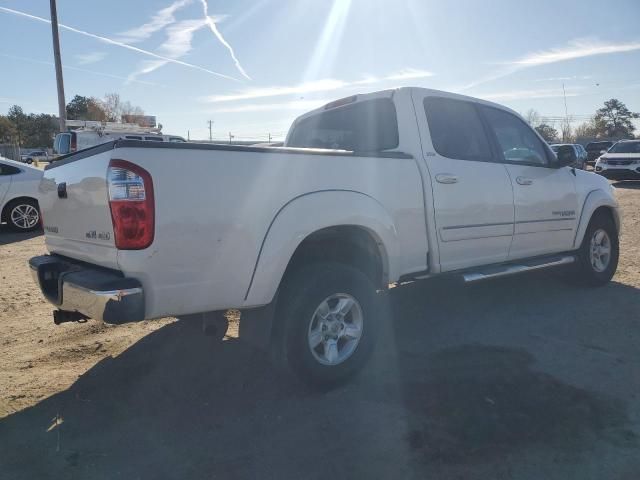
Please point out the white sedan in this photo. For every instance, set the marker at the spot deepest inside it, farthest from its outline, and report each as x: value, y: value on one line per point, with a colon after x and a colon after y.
x: 18, y: 195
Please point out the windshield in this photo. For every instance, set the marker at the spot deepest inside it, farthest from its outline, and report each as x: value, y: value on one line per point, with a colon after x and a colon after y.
x: 599, y: 145
x: 625, y: 147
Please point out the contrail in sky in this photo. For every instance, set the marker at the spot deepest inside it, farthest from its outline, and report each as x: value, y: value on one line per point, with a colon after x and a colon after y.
x: 216, y: 32
x: 119, y: 44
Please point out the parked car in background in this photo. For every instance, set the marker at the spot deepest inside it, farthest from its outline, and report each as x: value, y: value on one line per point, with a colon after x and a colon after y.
x: 39, y: 155
x: 18, y: 195
x: 595, y: 149
x: 621, y: 162
x: 579, y: 152
x: 378, y: 188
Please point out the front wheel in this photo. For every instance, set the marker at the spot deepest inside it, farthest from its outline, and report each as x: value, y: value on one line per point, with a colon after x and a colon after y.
x: 327, y: 322
x: 598, y: 254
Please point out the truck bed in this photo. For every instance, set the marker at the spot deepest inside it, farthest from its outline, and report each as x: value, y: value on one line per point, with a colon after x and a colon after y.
x: 215, y: 206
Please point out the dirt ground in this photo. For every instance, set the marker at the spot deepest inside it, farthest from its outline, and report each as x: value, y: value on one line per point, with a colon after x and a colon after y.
x: 521, y: 378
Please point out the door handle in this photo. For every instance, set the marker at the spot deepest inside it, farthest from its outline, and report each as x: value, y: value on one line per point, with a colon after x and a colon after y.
x: 446, y: 178
x: 524, y: 181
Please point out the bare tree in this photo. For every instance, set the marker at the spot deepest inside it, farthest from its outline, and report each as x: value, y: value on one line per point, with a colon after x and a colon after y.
x: 115, y: 108
x: 567, y: 133
x: 533, y: 117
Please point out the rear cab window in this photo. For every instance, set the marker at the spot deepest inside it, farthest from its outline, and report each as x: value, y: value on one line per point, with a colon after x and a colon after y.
x: 366, y: 126
x: 154, y: 139
x: 456, y: 129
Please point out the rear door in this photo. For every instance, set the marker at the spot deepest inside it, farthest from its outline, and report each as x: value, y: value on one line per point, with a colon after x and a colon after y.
x: 472, y: 191
x: 545, y: 197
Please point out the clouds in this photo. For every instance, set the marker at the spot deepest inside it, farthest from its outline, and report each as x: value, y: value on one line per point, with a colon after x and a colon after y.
x: 159, y: 21
x: 179, y: 36
x: 178, y: 44
x: 116, y: 43
x: 316, y: 86
x: 88, y: 58
x: 510, y: 95
x: 578, y: 48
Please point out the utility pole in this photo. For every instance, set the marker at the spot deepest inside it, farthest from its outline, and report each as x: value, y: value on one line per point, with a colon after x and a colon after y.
x: 210, y: 122
x: 269, y: 137
x: 566, y: 114
x: 188, y: 135
x: 62, y: 110
x: 230, y: 137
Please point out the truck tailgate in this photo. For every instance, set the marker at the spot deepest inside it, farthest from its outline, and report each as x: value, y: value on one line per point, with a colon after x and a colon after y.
x: 75, y: 209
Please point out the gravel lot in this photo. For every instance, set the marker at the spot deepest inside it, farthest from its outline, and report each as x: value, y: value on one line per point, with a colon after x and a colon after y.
x: 522, y: 378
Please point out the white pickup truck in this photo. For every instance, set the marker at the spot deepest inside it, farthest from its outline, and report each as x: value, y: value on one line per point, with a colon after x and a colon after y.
x: 368, y: 190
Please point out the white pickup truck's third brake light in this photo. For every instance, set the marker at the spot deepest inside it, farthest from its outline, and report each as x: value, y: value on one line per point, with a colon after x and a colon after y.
x: 132, y: 205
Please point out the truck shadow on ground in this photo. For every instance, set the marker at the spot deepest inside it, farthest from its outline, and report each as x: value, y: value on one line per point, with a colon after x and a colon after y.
x: 7, y: 235
x: 445, y: 395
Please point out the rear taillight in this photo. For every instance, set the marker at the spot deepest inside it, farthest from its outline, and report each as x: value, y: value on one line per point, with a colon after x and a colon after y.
x: 74, y: 142
x: 132, y: 205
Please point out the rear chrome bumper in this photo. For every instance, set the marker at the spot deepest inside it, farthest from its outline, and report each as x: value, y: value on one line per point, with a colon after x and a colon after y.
x: 95, y: 292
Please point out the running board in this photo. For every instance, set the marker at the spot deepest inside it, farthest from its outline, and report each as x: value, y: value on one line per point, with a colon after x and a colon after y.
x: 520, y: 267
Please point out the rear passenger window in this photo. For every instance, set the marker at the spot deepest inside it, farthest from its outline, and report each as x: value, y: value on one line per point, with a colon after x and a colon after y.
x: 154, y: 139
x: 8, y: 170
x: 456, y: 129
x: 367, y: 126
x: 133, y: 137
x: 516, y: 139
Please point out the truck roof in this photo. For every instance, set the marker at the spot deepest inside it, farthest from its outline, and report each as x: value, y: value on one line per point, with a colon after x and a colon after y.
x: 389, y: 93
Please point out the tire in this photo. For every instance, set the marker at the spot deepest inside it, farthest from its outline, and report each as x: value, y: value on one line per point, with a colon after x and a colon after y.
x: 23, y: 215
x: 29, y: 161
x: 595, y: 267
x: 343, y: 341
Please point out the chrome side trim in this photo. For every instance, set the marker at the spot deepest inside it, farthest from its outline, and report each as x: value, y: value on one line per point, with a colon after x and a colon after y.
x: 515, y: 268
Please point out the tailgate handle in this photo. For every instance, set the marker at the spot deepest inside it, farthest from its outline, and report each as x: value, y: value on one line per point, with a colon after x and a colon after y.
x: 62, y: 190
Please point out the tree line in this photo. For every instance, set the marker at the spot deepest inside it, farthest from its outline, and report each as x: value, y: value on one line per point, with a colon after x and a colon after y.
x: 614, y: 121
x: 39, y: 129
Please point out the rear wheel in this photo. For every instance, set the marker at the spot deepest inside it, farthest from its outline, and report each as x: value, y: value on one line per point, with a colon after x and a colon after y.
x: 326, y: 323
x: 23, y: 215
x: 598, y: 254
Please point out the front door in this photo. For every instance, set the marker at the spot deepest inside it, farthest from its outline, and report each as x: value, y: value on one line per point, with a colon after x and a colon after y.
x: 546, y: 205
x: 472, y: 193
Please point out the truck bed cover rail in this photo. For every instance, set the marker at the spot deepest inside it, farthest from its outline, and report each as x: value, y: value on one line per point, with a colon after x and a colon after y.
x: 104, y: 147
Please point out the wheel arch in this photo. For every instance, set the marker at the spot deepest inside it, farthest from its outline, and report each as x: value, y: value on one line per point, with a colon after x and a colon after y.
x: 595, y: 202
x: 320, y: 219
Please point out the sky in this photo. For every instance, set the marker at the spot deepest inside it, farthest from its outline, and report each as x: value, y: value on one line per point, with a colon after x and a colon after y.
x: 252, y: 66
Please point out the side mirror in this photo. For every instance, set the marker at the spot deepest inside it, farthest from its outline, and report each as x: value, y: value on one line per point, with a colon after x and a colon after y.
x: 602, y: 152
x: 566, y: 156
